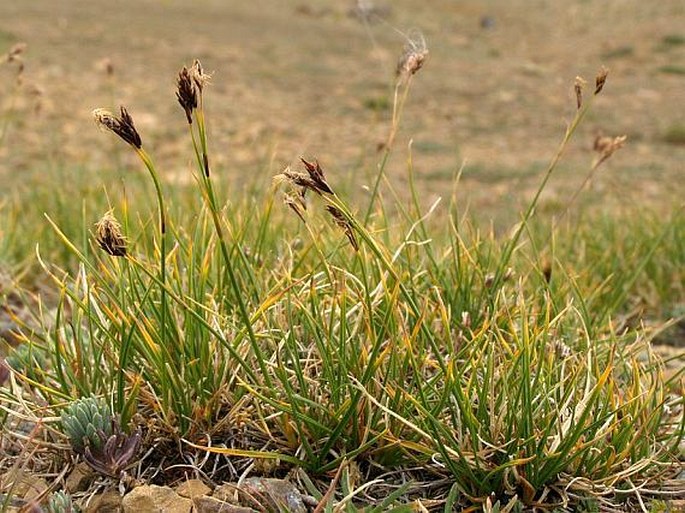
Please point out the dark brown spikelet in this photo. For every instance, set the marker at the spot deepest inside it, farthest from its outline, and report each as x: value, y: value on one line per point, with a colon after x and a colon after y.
x: 122, y: 126
x: 578, y: 88
x: 317, y: 177
x: 601, y: 79
x: 547, y: 271
x: 109, y: 237
x: 186, y: 93
x: 343, y: 223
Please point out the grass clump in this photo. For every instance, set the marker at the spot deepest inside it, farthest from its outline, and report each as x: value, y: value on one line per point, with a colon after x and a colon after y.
x: 365, y: 345
x: 675, y: 134
x: 672, y: 69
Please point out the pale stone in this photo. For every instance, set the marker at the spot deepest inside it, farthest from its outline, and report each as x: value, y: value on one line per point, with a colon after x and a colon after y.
x: 204, y: 504
x: 108, y: 502
x: 80, y: 478
x: 193, y: 488
x: 155, y: 499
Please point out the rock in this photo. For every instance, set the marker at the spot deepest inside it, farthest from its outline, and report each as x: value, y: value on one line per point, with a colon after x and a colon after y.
x: 80, y: 478
x: 204, y: 504
x: 23, y: 485
x: 155, y: 499
x: 108, y: 502
x: 225, y: 493
x: 193, y: 488
x: 279, y: 494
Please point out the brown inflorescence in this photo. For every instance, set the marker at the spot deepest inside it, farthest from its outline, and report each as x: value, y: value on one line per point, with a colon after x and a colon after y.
x: 186, y: 93
x: 109, y: 237
x: 318, y: 180
x: 600, y: 79
x: 341, y: 220
x: 296, y: 203
x: 412, y: 59
x: 122, y: 126
x: 606, y: 146
x: 578, y: 88
x: 313, y: 179
x: 200, y: 78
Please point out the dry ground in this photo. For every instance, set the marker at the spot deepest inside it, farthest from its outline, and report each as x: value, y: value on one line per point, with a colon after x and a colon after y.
x: 303, y: 77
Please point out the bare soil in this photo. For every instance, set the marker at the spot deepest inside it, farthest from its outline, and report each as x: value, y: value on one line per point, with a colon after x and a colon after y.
x: 304, y: 77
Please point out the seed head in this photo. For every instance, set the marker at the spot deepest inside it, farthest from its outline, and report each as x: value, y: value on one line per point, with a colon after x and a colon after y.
x: 296, y: 203
x: 562, y: 350
x: 606, y: 146
x: 313, y: 179
x: 578, y: 88
x: 601, y: 79
x: 122, y: 126
x: 317, y: 177
x: 341, y: 220
x: 200, y: 78
x: 412, y: 58
x: 15, y: 52
x: 107, y: 66
x: 109, y: 237
x: 186, y: 93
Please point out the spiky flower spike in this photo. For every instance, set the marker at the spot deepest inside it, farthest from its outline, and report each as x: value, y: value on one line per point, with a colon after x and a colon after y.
x: 109, y: 237
x: 186, y: 93
x: 122, y: 126
x: 600, y: 79
x: 606, y: 146
x: 578, y: 88
x: 313, y: 180
x: 200, y: 78
x: 318, y: 180
x: 341, y: 220
x: 297, y: 204
x: 15, y: 52
x: 413, y: 57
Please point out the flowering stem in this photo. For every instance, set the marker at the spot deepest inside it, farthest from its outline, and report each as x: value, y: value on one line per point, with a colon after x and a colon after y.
x: 162, y: 245
x: 397, y: 108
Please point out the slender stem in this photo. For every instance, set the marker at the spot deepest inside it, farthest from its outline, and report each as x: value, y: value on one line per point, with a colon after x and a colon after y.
x: 210, y: 198
x: 511, y: 245
x: 162, y: 230
x: 397, y: 109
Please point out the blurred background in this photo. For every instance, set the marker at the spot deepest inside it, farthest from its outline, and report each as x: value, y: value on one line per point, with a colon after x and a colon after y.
x: 316, y: 78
